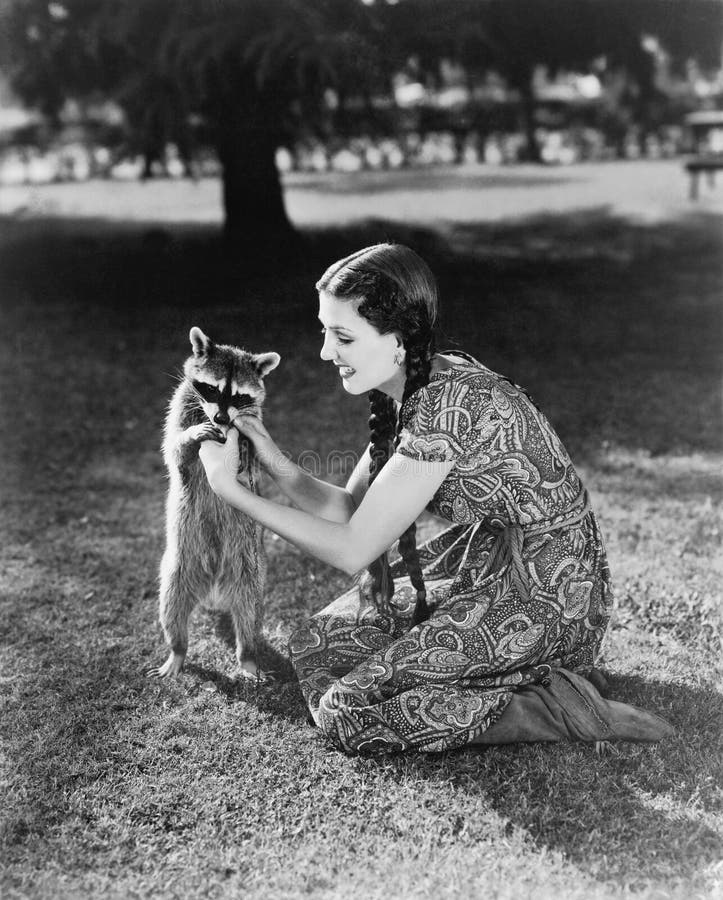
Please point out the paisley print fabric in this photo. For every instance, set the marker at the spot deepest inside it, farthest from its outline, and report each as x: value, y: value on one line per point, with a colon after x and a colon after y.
x: 518, y: 584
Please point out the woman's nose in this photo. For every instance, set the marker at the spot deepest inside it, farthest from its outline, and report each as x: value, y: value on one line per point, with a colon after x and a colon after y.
x: 327, y: 350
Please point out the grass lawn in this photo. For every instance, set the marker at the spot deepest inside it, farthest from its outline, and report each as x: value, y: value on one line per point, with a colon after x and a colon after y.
x: 206, y: 787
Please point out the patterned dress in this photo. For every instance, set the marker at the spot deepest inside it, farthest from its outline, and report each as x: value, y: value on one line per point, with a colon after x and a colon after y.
x: 518, y: 585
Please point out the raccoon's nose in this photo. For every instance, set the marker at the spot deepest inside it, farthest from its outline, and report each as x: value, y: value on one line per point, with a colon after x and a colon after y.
x: 221, y: 418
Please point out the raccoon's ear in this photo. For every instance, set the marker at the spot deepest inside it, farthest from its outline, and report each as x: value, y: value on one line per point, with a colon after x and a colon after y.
x: 202, y: 344
x: 266, y: 362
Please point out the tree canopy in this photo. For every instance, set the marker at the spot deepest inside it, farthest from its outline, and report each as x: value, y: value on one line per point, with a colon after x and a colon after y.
x: 253, y: 70
x: 514, y: 37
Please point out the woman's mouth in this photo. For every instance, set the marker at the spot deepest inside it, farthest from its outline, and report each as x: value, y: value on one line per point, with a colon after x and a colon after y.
x: 346, y: 371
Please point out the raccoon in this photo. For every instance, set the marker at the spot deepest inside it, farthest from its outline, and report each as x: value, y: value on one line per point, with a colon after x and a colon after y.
x: 214, y: 553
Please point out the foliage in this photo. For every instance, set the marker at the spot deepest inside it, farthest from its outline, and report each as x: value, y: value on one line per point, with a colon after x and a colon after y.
x: 513, y: 37
x: 508, y: 34
x: 278, y: 51
x: 252, y: 70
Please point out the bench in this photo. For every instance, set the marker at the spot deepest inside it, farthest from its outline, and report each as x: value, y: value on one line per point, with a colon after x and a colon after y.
x: 706, y: 130
x: 697, y: 165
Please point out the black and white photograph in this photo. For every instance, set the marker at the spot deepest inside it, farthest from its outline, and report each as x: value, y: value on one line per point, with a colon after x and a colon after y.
x: 361, y: 476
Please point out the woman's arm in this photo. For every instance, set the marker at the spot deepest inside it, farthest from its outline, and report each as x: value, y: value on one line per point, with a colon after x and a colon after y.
x: 328, y: 501
x: 398, y: 495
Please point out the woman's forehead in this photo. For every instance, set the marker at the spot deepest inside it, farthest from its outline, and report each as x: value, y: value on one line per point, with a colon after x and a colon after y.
x: 340, y: 313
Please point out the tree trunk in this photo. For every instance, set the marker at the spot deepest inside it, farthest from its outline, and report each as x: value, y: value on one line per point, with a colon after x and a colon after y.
x: 253, y: 202
x: 527, y: 93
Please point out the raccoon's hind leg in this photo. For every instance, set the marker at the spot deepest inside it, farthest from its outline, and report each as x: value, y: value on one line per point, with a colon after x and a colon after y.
x: 246, y: 653
x: 176, y: 601
x: 253, y: 583
x: 243, y: 601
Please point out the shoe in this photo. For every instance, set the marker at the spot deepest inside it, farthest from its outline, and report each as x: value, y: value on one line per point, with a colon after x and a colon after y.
x: 567, y: 707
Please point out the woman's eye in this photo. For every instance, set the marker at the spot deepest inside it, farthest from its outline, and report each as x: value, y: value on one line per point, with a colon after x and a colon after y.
x: 339, y: 338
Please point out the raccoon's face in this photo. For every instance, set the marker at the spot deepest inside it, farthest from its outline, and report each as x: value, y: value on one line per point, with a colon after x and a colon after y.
x: 225, y: 380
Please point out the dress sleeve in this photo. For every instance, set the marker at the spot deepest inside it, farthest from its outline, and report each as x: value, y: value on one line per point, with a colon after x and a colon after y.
x: 444, y: 425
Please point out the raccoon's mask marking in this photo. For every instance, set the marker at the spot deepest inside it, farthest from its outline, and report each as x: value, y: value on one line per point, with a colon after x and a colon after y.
x: 227, y: 380
x: 216, y: 393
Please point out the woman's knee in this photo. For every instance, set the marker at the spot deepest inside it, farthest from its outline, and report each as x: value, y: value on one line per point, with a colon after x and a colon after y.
x: 351, y: 695
x: 335, y: 715
x: 348, y: 724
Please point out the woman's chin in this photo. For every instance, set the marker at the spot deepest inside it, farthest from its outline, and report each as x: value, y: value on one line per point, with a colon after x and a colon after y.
x: 351, y: 388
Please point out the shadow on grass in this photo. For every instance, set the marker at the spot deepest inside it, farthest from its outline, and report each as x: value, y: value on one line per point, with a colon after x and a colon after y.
x: 585, y: 310
x: 270, y: 659
x: 275, y: 695
x: 632, y: 813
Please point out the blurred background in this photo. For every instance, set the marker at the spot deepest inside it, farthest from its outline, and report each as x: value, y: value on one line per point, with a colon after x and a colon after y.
x: 244, y: 97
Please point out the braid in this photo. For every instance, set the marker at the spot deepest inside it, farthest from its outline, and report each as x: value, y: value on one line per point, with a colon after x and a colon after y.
x: 382, y: 423
x: 385, y: 434
x: 419, y: 357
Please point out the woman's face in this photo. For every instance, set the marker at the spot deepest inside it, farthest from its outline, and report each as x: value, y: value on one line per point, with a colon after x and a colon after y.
x: 364, y: 358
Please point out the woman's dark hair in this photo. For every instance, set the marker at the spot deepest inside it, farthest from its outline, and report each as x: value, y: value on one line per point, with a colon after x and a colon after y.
x: 397, y: 293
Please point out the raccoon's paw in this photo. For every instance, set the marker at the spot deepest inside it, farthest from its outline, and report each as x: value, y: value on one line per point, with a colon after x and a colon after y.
x: 172, y: 666
x: 248, y: 668
x: 206, y: 431
x: 249, y: 671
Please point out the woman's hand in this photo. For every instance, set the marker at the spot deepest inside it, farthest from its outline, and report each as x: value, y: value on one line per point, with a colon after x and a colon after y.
x: 266, y: 450
x: 253, y: 428
x: 221, y: 462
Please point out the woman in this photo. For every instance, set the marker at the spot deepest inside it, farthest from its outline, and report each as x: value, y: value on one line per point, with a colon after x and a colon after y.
x: 487, y: 636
